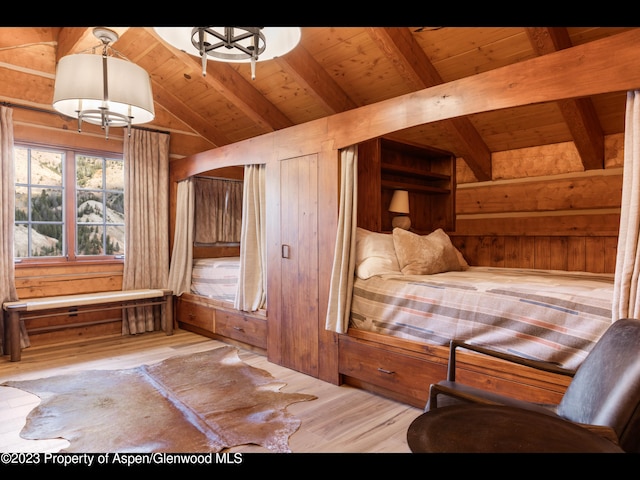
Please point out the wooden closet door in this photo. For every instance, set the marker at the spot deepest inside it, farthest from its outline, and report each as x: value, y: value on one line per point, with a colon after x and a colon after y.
x: 293, y: 321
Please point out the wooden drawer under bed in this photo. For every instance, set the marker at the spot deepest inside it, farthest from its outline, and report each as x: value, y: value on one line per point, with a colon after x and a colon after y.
x: 404, y: 370
x: 195, y: 314
x: 207, y: 317
x: 388, y: 371
x: 242, y: 327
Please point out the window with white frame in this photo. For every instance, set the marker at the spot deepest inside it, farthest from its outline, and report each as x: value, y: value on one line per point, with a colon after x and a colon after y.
x: 69, y: 204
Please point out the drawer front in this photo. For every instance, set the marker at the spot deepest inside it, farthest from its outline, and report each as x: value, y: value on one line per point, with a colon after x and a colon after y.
x: 398, y: 372
x: 244, y: 329
x: 196, y: 315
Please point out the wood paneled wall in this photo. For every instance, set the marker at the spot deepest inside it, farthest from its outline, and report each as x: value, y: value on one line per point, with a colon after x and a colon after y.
x: 38, y: 281
x: 529, y: 216
x: 59, y: 279
x: 574, y: 253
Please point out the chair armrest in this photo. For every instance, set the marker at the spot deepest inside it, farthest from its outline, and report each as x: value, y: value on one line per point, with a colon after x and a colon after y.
x: 466, y: 393
x: 602, y: 430
x: 456, y: 392
x: 450, y: 390
x: 539, y: 365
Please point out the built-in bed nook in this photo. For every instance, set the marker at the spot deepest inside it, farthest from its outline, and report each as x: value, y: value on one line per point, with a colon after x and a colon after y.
x: 408, y: 304
x: 353, y: 300
x: 216, y: 296
x: 208, y: 308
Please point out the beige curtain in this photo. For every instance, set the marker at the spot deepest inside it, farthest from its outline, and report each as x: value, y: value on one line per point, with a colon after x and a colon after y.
x: 146, y: 208
x: 7, y: 221
x: 218, y: 210
x: 251, y: 293
x: 626, y: 297
x: 182, y: 254
x: 343, y: 268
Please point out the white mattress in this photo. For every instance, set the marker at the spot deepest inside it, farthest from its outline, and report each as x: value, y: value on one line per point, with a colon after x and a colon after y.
x: 216, y: 278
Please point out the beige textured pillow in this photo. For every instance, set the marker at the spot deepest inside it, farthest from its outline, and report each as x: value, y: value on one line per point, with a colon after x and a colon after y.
x: 464, y: 265
x: 425, y: 254
x: 375, y: 254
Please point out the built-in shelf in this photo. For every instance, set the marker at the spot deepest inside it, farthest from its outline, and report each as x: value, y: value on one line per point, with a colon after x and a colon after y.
x: 428, y: 175
x: 416, y: 172
x: 412, y: 187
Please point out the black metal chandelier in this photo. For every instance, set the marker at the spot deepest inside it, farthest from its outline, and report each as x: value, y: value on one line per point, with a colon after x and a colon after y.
x: 232, y: 44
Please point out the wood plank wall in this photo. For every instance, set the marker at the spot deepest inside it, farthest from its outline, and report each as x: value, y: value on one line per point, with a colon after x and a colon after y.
x: 60, y: 279
x: 529, y: 216
x: 573, y: 253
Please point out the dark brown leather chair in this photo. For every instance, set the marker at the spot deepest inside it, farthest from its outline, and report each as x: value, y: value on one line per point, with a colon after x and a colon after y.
x: 603, y: 396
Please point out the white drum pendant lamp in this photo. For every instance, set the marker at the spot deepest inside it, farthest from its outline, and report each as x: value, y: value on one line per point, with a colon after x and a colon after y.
x: 102, y: 89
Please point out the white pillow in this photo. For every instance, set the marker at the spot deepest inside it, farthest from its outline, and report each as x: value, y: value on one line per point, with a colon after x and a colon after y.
x: 425, y: 255
x: 375, y: 254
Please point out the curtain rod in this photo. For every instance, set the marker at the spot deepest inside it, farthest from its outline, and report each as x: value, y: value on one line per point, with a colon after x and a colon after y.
x: 51, y: 112
x: 208, y: 177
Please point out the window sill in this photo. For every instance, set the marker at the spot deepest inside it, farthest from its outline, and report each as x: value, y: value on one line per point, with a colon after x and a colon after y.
x: 51, y: 262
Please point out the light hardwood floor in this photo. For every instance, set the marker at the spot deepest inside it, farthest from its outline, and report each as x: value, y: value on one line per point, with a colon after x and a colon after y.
x: 343, y: 419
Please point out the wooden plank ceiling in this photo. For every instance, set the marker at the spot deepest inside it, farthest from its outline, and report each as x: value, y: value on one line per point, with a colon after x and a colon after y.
x: 335, y: 69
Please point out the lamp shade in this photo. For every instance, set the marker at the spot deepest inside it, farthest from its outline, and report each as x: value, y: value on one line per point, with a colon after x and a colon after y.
x: 278, y: 41
x: 400, y: 202
x: 80, y: 87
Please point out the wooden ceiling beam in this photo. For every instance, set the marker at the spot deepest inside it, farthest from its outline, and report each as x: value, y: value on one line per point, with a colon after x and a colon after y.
x: 316, y: 81
x: 579, y: 114
x: 235, y: 89
x: 417, y: 70
x: 178, y: 109
x: 245, y: 96
x: 73, y: 40
x: 16, y: 37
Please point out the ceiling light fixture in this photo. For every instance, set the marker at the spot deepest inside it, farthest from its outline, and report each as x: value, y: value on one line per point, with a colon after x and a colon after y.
x: 232, y: 44
x: 102, y: 89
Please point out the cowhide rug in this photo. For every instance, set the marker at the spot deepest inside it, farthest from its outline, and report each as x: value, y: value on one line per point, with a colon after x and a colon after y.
x: 203, y: 402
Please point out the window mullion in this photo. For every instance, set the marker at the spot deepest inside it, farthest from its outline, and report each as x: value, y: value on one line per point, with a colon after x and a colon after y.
x: 70, y: 210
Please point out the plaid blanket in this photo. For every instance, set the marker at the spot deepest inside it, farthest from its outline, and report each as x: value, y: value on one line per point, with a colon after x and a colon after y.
x: 549, y: 315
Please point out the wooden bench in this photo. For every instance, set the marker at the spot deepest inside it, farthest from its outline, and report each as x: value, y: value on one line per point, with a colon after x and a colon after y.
x: 23, y: 310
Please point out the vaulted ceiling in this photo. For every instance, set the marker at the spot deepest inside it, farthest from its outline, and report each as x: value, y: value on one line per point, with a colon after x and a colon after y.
x: 334, y: 69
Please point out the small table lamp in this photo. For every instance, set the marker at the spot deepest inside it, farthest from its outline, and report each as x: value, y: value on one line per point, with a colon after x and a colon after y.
x: 400, y: 204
